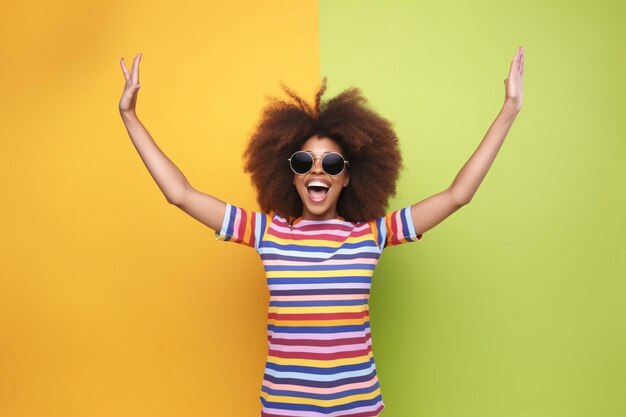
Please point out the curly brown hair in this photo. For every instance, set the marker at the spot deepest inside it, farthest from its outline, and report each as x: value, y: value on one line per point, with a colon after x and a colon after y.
x: 367, y: 140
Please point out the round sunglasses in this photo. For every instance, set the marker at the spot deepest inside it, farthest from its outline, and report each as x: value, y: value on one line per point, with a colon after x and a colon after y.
x: 302, y: 162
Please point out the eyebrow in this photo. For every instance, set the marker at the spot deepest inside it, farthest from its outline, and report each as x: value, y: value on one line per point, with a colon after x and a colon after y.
x: 308, y: 150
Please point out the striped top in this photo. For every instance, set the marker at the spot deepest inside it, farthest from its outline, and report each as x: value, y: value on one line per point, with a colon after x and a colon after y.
x: 319, y: 274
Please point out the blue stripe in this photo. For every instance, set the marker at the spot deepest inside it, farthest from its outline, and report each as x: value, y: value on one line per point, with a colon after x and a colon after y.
x: 332, y: 396
x: 231, y: 222
x: 320, y: 371
x: 319, y: 303
x: 405, y: 227
x: 382, y: 232
x: 319, y: 409
x: 319, y: 383
x: 326, y: 280
x: 315, y: 329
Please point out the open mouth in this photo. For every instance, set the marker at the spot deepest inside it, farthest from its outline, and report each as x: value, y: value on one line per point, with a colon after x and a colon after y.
x: 317, y: 190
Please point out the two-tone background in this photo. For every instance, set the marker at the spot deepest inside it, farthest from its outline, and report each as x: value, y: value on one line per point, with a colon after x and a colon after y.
x: 114, y: 303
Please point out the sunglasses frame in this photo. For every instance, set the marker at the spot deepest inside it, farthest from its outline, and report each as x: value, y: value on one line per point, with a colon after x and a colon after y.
x: 315, y: 158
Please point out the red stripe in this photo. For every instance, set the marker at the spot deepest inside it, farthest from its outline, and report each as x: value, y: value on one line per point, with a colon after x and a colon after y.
x: 320, y: 356
x: 316, y: 227
x: 319, y: 316
x: 314, y: 342
x: 394, y: 230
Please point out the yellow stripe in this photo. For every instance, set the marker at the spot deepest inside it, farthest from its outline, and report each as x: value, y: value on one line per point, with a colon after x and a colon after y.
x: 318, y: 309
x: 318, y: 323
x: 319, y: 363
x: 320, y: 274
x: 322, y: 403
x: 317, y: 242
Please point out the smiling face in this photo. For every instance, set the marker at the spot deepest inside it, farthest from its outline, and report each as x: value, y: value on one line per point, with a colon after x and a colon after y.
x: 318, y: 190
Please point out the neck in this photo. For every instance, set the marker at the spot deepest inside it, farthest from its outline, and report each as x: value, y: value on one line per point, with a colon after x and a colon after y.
x: 328, y: 215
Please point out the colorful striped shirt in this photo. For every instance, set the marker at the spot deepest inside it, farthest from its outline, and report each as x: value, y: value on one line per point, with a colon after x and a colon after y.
x: 319, y: 273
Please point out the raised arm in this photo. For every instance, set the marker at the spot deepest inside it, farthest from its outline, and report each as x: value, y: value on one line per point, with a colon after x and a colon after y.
x: 177, y: 190
x: 433, y: 210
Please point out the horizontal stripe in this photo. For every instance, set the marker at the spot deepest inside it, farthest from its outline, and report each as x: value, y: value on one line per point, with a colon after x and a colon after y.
x: 318, y: 309
x: 343, y: 347
x: 325, y: 396
x: 320, y: 267
x: 271, y: 256
x: 320, y: 377
x: 325, y: 356
x: 307, y: 382
x: 315, y: 342
x: 362, y: 411
x: 311, y: 329
x: 319, y: 286
x: 321, y: 390
x: 319, y: 297
x: 318, y: 316
x: 317, y: 303
x: 320, y: 291
x: 319, y: 362
x: 338, y: 405
x: 321, y: 280
x: 321, y: 336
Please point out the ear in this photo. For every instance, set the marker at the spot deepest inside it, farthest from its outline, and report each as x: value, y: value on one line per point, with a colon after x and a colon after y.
x: 346, y: 180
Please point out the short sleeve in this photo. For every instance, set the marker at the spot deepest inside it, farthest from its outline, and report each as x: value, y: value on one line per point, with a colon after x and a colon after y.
x: 395, y: 228
x: 242, y: 226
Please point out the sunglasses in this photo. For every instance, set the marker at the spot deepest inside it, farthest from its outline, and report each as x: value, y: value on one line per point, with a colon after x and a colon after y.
x: 302, y: 162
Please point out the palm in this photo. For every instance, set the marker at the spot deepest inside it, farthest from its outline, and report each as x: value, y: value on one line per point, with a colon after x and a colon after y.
x: 514, y: 82
x: 128, y: 100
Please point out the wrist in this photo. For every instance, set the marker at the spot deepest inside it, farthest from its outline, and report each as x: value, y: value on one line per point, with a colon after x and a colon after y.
x: 510, y: 108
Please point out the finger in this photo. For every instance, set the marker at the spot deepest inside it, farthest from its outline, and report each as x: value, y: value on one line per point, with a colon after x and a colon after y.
x: 124, y: 69
x: 136, y: 69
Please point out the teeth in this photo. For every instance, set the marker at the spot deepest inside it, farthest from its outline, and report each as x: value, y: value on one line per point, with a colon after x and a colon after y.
x: 317, y: 184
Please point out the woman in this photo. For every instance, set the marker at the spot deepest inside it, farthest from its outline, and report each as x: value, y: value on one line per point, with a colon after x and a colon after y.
x: 323, y: 176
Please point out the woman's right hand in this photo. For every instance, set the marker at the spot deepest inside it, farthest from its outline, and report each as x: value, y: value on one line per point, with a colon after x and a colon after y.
x: 129, y: 96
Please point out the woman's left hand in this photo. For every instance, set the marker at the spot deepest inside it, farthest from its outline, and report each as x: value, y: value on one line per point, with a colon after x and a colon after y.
x: 513, y: 84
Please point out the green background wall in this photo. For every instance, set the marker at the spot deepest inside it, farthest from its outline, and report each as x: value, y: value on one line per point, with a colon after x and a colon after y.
x: 515, y: 305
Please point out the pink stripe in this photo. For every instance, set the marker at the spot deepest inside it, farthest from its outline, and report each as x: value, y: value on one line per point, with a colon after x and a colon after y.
x: 286, y: 230
x: 315, y: 390
x: 346, y: 285
x: 320, y: 336
x: 237, y: 223
x: 401, y: 235
x: 370, y: 261
x: 321, y: 349
x: 319, y: 297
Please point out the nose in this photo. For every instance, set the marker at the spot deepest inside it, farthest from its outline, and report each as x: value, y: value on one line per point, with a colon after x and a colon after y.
x: 317, y: 165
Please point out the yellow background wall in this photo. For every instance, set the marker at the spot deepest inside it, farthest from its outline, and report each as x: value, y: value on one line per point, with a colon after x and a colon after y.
x: 112, y: 301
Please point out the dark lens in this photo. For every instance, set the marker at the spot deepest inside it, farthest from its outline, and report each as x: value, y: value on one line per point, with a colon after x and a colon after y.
x: 301, y: 162
x: 333, y: 163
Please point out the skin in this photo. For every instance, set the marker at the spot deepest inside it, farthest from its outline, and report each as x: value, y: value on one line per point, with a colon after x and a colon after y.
x: 326, y: 209
x: 426, y: 214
